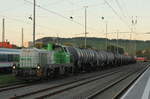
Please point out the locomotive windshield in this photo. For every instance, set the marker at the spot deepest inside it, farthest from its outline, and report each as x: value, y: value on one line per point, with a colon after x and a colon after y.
x: 58, y: 48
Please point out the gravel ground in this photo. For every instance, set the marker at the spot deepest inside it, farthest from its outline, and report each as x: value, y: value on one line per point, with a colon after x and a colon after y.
x: 88, y: 89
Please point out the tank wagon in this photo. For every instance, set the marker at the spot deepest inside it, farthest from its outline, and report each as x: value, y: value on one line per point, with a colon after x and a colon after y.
x: 8, y: 57
x: 59, y: 60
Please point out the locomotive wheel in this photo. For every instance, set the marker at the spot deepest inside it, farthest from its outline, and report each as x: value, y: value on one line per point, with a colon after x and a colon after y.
x: 49, y: 73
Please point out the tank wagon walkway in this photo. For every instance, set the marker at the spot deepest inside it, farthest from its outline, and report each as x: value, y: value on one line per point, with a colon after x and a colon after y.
x: 140, y: 89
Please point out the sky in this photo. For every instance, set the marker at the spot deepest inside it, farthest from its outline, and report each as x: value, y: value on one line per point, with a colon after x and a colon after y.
x: 53, y: 18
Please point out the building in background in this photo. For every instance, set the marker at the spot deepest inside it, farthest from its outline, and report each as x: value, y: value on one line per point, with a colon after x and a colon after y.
x: 28, y: 44
x: 7, y: 45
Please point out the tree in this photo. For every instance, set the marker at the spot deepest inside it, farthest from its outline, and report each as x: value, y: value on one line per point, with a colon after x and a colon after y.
x: 114, y: 49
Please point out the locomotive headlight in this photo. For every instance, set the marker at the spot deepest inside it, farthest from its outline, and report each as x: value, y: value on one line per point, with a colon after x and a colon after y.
x: 38, y: 67
x: 14, y: 67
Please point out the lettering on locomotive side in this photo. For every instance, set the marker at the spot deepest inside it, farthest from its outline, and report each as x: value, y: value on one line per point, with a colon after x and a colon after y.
x: 25, y: 58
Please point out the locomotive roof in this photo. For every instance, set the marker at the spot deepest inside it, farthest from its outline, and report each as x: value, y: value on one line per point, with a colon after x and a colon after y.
x: 34, y: 49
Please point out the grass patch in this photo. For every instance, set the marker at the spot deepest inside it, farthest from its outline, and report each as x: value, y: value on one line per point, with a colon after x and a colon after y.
x: 6, y: 79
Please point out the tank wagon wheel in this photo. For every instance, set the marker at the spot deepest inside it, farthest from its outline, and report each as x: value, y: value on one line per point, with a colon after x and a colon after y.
x: 77, y: 68
x: 49, y: 74
x: 72, y: 70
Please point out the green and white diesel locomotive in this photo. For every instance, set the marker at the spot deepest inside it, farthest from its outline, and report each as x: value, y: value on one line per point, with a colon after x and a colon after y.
x: 59, y: 60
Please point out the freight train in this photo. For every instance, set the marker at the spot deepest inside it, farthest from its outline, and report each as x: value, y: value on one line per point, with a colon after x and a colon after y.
x: 8, y: 57
x: 59, y: 60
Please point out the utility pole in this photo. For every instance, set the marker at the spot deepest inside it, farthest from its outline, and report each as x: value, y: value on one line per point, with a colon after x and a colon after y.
x: 3, y: 30
x: 106, y: 28
x: 34, y: 10
x: 85, y: 26
x: 106, y: 37
x: 135, y: 33
x: 117, y: 41
x: 22, y: 36
x: 134, y: 22
x: 131, y: 41
x: 135, y: 47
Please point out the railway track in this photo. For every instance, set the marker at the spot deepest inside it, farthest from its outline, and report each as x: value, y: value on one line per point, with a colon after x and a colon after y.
x: 12, y: 84
x: 56, y: 90
x: 20, y: 84
x: 119, y: 94
x: 17, y: 85
x: 64, y: 88
x: 69, y: 88
x: 75, y: 83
